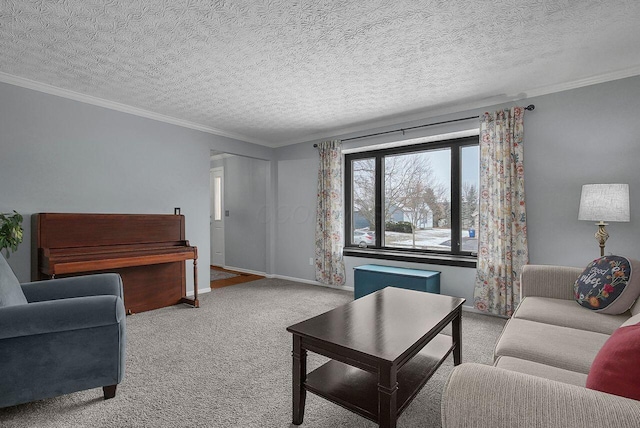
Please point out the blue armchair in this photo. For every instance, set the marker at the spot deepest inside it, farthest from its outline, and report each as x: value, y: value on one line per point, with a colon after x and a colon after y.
x: 60, y: 336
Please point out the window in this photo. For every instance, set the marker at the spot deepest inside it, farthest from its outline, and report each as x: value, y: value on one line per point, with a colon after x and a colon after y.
x: 217, y: 198
x: 414, y: 199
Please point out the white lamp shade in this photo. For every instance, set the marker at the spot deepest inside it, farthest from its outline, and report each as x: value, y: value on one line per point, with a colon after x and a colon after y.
x: 604, y: 202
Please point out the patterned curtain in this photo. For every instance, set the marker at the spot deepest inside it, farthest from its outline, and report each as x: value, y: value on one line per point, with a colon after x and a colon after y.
x: 329, y: 225
x: 502, y: 246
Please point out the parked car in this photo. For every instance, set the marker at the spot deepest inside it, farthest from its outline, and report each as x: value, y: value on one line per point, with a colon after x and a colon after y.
x: 363, y: 238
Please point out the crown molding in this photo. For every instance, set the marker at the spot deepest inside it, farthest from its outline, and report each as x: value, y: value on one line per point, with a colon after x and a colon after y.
x: 124, y: 108
x: 392, y: 121
x: 459, y: 107
x: 366, y: 126
x: 587, y: 81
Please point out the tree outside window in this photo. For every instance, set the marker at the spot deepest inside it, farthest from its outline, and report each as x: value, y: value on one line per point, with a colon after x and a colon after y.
x: 410, y: 193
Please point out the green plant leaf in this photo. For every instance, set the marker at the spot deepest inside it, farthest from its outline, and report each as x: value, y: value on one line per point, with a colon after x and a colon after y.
x: 11, y: 232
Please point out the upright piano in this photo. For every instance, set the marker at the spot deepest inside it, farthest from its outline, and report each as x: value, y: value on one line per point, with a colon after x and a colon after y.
x: 149, y: 252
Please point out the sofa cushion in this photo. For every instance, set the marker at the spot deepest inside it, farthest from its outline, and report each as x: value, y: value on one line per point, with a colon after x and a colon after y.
x: 10, y: 291
x: 632, y: 321
x: 608, y: 285
x: 615, y: 369
x: 541, y: 370
x: 566, y: 313
x: 635, y: 309
x: 562, y: 347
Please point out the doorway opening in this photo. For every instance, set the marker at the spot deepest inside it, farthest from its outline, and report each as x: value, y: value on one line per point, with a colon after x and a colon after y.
x: 238, y: 218
x: 221, y: 277
x: 217, y: 216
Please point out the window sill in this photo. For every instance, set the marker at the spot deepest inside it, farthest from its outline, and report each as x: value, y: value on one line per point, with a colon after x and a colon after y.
x: 434, y: 259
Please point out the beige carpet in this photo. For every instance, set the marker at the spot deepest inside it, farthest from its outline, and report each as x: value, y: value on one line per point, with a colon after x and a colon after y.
x: 228, y: 364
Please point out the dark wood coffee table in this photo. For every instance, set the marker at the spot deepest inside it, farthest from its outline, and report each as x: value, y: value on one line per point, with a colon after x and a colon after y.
x: 383, y: 349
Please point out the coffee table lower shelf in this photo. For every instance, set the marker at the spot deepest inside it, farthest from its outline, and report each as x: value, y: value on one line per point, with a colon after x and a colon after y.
x: 357, y: 389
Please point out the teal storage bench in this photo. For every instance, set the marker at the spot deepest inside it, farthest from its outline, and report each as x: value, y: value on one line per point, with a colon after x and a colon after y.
x: 370, y: 278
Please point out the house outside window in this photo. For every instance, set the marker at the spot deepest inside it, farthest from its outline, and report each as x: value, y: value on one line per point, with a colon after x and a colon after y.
x: 419, y: 199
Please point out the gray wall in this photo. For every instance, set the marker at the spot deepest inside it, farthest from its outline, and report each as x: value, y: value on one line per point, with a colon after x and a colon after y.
x: 585, y: 135
x: 60, y: 155
x: 245, y: 197
x: 295, y: 216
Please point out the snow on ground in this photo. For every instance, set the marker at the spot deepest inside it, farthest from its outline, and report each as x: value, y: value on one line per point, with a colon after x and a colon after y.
x: 433, y: 239
x: 424, y: 238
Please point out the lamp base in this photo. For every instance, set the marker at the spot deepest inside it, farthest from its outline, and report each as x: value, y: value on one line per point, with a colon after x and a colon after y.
x: 601, y: 236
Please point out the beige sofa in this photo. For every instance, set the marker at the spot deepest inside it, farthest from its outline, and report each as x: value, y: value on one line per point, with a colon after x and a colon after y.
x: 541, y: 364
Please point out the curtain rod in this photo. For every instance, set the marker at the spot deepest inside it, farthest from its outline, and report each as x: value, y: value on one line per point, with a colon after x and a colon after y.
x: 529, y: 107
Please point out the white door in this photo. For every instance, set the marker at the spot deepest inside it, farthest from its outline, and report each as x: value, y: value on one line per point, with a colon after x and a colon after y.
x: 217, y: 216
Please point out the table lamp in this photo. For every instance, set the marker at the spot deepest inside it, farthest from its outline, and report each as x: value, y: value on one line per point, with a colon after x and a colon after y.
x: 601, y: 203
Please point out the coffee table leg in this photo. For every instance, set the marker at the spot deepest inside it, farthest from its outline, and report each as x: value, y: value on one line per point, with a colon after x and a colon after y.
x: 387, y: 396
x: 299, y: 377
x: 456, y: 327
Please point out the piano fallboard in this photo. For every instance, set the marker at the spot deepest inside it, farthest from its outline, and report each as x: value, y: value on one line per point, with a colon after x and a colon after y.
x: 147, y: 250
x: 74, y: 260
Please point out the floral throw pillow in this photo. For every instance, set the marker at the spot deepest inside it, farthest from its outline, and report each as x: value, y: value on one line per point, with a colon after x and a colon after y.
x: 609, y: 285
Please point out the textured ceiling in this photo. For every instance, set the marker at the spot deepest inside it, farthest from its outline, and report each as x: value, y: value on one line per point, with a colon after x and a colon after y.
x: 277, y: 72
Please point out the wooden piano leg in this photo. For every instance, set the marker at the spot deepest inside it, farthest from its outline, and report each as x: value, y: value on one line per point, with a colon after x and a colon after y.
x: 194, y: 302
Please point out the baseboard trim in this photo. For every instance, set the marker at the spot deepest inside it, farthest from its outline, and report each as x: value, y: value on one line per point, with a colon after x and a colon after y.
x: 465, y: 308
x: 308, y: 281
x: 200, y: 291
x: 242, y: 270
